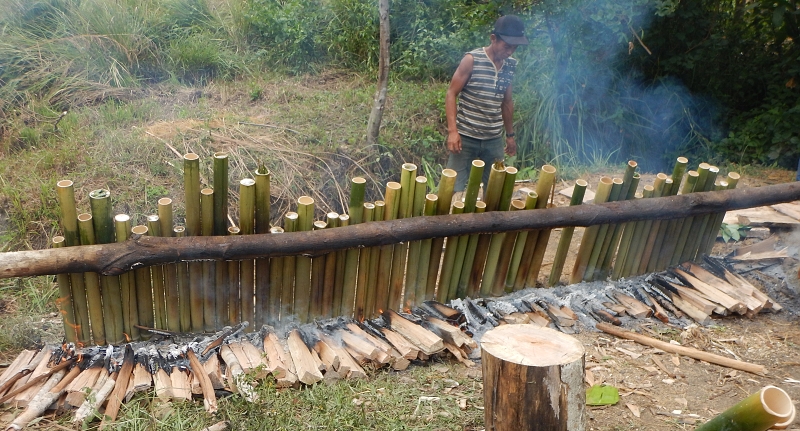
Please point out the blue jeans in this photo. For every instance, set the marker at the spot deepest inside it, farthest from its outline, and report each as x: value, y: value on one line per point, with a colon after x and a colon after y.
x: 488, y: 150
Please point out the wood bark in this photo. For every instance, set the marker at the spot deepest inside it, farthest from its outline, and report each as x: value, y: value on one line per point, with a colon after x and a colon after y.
x: 379, y: 102
x: 116, y: 258
x: 532, y: 380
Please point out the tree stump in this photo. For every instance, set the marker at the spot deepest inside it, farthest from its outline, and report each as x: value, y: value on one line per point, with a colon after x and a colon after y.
x: 532, y: 379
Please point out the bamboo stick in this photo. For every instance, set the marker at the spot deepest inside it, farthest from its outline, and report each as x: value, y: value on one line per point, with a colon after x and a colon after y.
x: 374, y: 263
x: 362, y: 270
x: 424, y: 293
x: 415, y: 247
x: 247, y: 213
x: 184, y: 289
x: 234, y: 279
x: 220, y: 187
x: 658, y: 233
x: 144, y: 290
x: 191, y: 186
x: 157, y: 271
x: 547, y: 178
x: 302, y: 293
x: 590, y: 234
x: 351, y: 272
x: 444, y: 198
x: 262, y: 217
x: 390, y: 211
x: 578, y: 192
x: 100, y: 203
x: 64, y: 301
x: 338, y: 283
x: 630, y: 182
x: 209, y: 268
x: 684, y: 225
x: 519, y: 246
x: 127, y: 282
x: 494, y: 275
x: 91, y: 282
x: 699, y: 223
x: 443, y: 291
x: 289, y: 269
x: 165, y: 218
x: 317, y: 296
x: 710, y: 236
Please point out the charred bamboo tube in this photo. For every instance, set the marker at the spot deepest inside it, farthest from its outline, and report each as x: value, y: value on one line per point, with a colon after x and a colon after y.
x: 699, y: 223
x: 499, y: 257
x: 233, y: 273
x: 127, y: 282
x: 144, y: 290
x: 704, y: 172
x: 184, y: 288
x: 191, y: 186
x: 642, y: 242
x: 675, y: 181
x: 209, y: 268
x: 92, y: 285
x: 444, y: 198
x: 317, y: 281
x: 629, y: 236
x: 543, y: 188
x: 329, y: 272
x: 262, y: 217
x: 302, y: 292
x: 629, y: 261
x: 423, y: 292
x: 710, y: 236
x: 64, y: 301
x: 289, y: 270
x: 100, y: 202
x: 390, y: 212
x: 165, y: 218
x: 657, y: 235
x: 247, y: 213
x: 220, y: 187
x: 69, y: 223
x: 275, y: 281
x: 630, y: 182
x: 157, y: 272
x: 651, y: 228
x: 338, y: 285
x: 758, y: 412
x: 673, y: 229
x: 80, y: 304
x: 443, y: 291
x: 547, y: 177
x: 374, y: 264
x: 591, y: 268
x: 412, y: 272
x: 351, y: 271
x: 578, y: 192
x: 519, y: 245
x: 362, y: 271
x: 590, y: 234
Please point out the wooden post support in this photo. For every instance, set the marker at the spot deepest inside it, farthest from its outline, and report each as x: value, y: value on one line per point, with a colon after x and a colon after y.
x: 532, y: 379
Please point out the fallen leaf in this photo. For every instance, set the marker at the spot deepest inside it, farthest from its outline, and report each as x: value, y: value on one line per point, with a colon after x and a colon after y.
x: 602, y: 395
x: 635, y: 410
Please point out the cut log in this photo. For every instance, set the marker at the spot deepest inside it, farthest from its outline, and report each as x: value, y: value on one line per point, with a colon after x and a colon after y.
x: 537, y: 319
x: 306, y: 368
x: 359, y: 348
x: 426, y: 341
x: 258, y: 363
x: 328, y: 355
x: 18, y: 369
x: 559, y: 317
x: 633, y: 306
x: 354, y: 370
x: 199, y: 372
x: 92, y: 404
x: 408, y: 350
x: 532, y: 379
x: 450, y: 333
x: 141, y: 380
x: 234, y: 368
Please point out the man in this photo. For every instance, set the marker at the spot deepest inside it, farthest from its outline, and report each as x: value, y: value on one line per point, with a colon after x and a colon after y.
x: 478, y: 105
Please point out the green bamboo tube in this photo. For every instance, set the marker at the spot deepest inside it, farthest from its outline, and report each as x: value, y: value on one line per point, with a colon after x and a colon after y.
x: 384, y: 281
x: 302, y: 289
x: 704, y: 172
x: 758, y: 412
x: 65, y: 192
x: 578, y: 192
x: 144, y: 290
x: 519, y: 245
x: 424, y: 293
x: 473, y: 187
x: 374, y: 264
x: 338, y: 285
x: 220, y: 187
x: 92, y: 289
x: 352, y: 256
x: 414, y: 248
x: 641, y: 242
x: 710, y: 237
x: 184, y: 288
x: 399, y: 257
x: 159, y: 286
x: 508, y: 188
x: 547, y: 178
x: 611, y: 243
x: 590, y: 234
x: 674, y: 226
x: 444, y: 198
x: 64, y: 301
x: 316, y: 298
x: 629, y: 261
x: 275, y: 282
x: 592, y: 269
x: 677, y: 173
x: 289, y: 269
x: 443, y: 291
x: 408, y: 184
x: 165, y: 219
x: 699, y: 223
x: 356, y: 207
x: 69, y: 223
x: 208, y: 267
x: 499, y: 257
x: 360, y: 268
x: 102, y: 222
x: 329, y: 272
x: 247, y: 213
x: 191, y: 186
x: 127, y: 281
x: 233, y: 273
x: 658, y: 232
x: 651, y: 228
x: 543, y: 188
x: 262, y: 226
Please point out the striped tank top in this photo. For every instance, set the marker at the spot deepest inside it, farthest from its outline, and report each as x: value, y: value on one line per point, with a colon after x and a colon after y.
x: 478, y: 115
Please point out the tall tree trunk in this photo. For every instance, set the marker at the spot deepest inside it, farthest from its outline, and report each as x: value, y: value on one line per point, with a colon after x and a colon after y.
x: 374, y: 125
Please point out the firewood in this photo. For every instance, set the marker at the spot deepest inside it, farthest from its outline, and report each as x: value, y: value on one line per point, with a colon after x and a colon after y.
x: 361, y: 349
x: 558, y: 316
x: 427, y: 342
x: 327, y: 355
x: 697, y: 299
x: 275, y: 361
x: 118, y: 395
x: 568, y: 312
x: 605, y: 315
x: 199, y: 372
x: 46, y: 396
x: 77, y: 389
x: 516, y: 318
x: 712, y: 293
x: 92, y: 404
x: 18, y: 369
x: 163, y: 385
x: 450, y: 333
x: 746, y: 298
x: 237, y: 374
x: 633, y: 306
x: 181, y: 388
x: 257, y: 361
x: 739, y: 281
x: 321, y: 366
x: 617, y: 309
x: 211, y: 366
x: 660, y: 298
x: 386, y: 353
x: 142, y: 380
x: 37, y: 380
x: 23, y: 398
x: 659, y: 313
x: 448, y: 313
x: 346, y: 362
x: 460, y: 355
x: 307, y: 371
x: 695, y: 313
x: 241, y: 357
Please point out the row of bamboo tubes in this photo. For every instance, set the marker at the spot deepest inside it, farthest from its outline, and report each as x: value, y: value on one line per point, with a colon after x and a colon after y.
x: 205, y: 296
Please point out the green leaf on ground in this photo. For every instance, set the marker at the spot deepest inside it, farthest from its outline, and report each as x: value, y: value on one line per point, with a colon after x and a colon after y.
x: 602, y: 395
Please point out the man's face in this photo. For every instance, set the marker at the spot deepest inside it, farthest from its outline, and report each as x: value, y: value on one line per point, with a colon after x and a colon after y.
x: 502, y: 48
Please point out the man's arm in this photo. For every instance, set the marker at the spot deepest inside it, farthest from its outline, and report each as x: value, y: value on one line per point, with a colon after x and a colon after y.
x: 460, y: 79
x: 507, y: 111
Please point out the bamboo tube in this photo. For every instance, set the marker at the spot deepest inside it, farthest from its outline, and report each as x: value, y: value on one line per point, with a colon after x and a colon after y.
x: 671, y: 188
x: 593, y: 268
x: 220, y: 187
x: 424, y: 293
x: 508, y: 188
x: 699, y: 223
x: 127, y: 281
x: 165, y: 218
x: 80, y: 304
x: 651, y: 228
x: 352, y: 266
x: 275, y: 282
x: 407, y: 190
x: 677, y: 173
x: 361, y: 269
x: 590, y: 234
x: 628, y: 236
x: 289, y: 269
x: 494, y: 275
x: 247, y: 213
x: 611, y: 243
x: 414, y: 248
x: 209, y: 268
x: 157, y: 272
x: 191, y: 186
x: 317, y: 296
x: 144, y: 290
x: 100, y: 203
x: 758, y: 412
x: 262, y: 226
x: 674, y: 227
x: 710, y: 237
x: 659, y: 231
x: 338, y: 285
x: 390, y: 211
x: 641, y: 242
x: 356, y: 207
x: 374, y: 263
x: 92, y: 284
x: 519, y: 245
x: 685, y: 225
x: 444, y: 198
x: 634, y: 250
x: 329, y: 294
x: 233, y: 273
x: 69, y: 215
x: 302, y: 292
x: 64, y: 301
x: 184, y: 288
x: 443, y: 291
x: 400, y: 250
x: 543, y: 189
x: 578, y: 192
x: 547, y: 178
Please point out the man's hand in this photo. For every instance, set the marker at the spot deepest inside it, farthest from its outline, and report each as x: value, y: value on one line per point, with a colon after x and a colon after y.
x: 511, y: 146
x: 454, y: 142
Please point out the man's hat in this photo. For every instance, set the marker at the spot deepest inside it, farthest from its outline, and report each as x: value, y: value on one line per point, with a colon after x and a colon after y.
x: 510, y: 29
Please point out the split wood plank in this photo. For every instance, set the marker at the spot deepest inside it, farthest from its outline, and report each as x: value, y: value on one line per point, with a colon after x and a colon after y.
x: 408, y: 350
x: 359, y: 348
x: 101, y: 391
x: 236, y: 373
x: 328, y: 355
x: 685, y: 306
x: 760, y: 217
x: 307, y: 371
x: 744, y: 294
x: 181, y: 387
x: 21, y: 399
x: 791, y: 209
x: 450, y: 333
x: 78, y: 388
x: 633, y: 306
x: 199, y: 373
x: 140, y: 381
x: 211, y: 367
x: 163, y: 385
x: 459, y: 354
x: 427, y: 342
x: 697, y: 299
x: 258, y: 363
x: 118, y: 395
x: 721, y: 297
x: 354, y: 370
x: 18, y: 369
